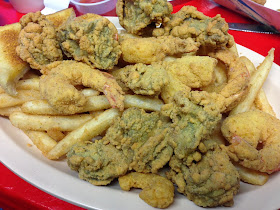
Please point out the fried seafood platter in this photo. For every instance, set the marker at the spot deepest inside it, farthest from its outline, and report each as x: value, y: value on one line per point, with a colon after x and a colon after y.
x: 162, y: 105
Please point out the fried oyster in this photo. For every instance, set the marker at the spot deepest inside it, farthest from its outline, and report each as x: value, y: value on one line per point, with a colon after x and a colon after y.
x: 212, y: 181
x: 96, y: 162
x: 137, y: 15
x: 188, y: 22
x: 92, y: 39
x: 38, y: 43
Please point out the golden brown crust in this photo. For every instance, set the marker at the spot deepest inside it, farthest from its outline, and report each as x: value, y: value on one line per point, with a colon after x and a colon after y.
x: 38, y: 43
x: 12, y: 66
x: 136, y: 15
x: 61, y: 17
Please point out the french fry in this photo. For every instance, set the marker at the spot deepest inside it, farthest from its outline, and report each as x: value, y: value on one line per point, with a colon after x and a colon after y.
x: 255, y: 84
x: 9, y: 110
x: 42, y: 107
x: 46, y: 122
x: 41, y: 140
x: 90, y: 92
x: 94, y: 103
x: 142, y: 102
x: 96, y: 113
x: 39, y: 107
x: 261, y: 103
x: 28, y: 84
x: 251, y: 176
x: 23, y: 95
x: 86, y: 132
x: 250, y: 66
x: 55, y: 134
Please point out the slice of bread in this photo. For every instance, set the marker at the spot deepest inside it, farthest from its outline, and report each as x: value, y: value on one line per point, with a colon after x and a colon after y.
x: 61, y: 17
x: 12, y: 67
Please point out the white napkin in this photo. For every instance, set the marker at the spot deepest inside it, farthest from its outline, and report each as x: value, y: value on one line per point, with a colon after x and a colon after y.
x: 52, y: 6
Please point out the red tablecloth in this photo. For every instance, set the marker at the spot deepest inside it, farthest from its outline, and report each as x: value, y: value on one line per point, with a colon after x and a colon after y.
x: 15, y: 193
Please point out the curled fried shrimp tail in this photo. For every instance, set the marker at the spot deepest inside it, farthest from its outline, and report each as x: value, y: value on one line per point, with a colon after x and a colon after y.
x: 58, y: 87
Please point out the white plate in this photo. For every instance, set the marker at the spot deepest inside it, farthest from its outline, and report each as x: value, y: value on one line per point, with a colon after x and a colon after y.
x: 54, y: 177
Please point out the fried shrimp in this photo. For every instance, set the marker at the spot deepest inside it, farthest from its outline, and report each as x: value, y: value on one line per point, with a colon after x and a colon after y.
x: 58, y: 86
x: 157, y: 190
x: 92, y: 39
x: 38, y: 43
x: 254, y: 139
x: 238, y: 78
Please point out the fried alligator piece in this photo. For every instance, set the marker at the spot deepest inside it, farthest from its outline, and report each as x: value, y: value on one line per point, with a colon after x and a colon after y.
x: 191, y: 123
x: 96, y: 162
x: 92, y: 39
x: 143, y: 139
x: 213, y: 181
x: 142, y: 79
x: 38, y: 43
x: 188, y: 22
x: 136, y: 15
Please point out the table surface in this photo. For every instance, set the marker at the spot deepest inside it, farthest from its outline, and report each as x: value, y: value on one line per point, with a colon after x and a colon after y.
x: 15, y: 193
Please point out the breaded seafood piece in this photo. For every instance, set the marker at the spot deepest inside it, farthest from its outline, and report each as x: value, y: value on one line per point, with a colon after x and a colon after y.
x: 136, y: 15
x: 213, y: 181
x: 142, y: 79
x: 192, y: 71
x: 58, y: 86
x: 191, y: 122
x: 96, y: 162
x: 143, y: 139
x: 12, y: 67
x: 254, y: 140
x: 92, y: 39
x: 157, y: 191
x: 38, y: 43
x: 61, y: 17
x: 211, y: 33
x: 151, y: 49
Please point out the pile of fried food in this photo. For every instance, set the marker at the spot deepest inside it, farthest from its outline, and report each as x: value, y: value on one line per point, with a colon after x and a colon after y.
x: 167, y: 100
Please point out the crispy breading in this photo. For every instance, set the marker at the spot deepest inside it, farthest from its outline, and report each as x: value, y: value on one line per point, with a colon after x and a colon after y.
x: 38, y: 43
x: 149, y: 50
x: 96, y: 162
x: 212, y: 181
x: 211, y: 33
x: 92, y: 39
x: 143, y: 139
x: 157, y: 191
x: 137, y: 15
x: 142, y: 79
